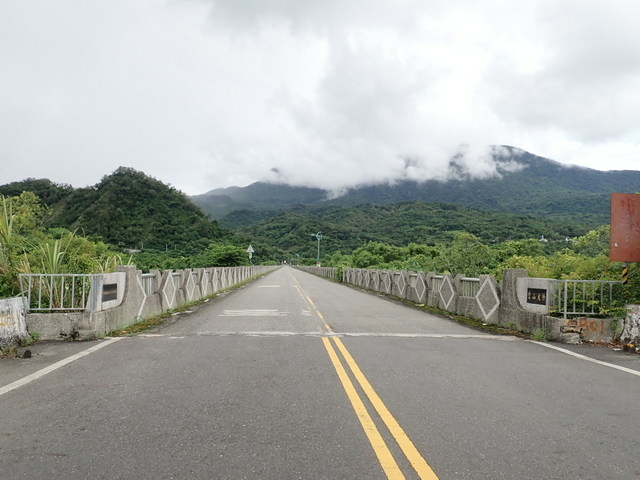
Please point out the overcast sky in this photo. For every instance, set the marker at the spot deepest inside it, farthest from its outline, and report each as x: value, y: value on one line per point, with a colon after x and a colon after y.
x: 211, y: 93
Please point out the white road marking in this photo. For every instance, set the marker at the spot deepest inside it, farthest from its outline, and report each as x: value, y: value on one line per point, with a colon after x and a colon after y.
x: 41, y: 373
x: 253, y: 313
x: 156, y: 335
x: 587, y: 359
x: 268, y: 286
x: 275, y: 333
x: 504, y: 338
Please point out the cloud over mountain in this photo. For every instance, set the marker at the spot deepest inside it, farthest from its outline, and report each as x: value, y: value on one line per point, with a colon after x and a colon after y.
x: 207, y: 93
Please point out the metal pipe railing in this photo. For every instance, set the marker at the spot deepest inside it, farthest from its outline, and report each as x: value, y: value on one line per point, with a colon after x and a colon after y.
x: 469, y: 286
x: 585, y: 297
x: 50, y: 292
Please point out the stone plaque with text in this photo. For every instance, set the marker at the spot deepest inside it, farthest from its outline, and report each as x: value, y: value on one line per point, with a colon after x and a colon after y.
x: 109, y: 292
x: 537, y: 296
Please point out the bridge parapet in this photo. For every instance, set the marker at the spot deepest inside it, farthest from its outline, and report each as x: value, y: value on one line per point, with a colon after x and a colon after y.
x: 121, y: 299
x: 327, y: 272
x: 518, y: 301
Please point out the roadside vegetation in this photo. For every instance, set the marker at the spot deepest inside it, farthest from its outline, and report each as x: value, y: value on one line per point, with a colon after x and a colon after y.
x: 582, y: 258
x: 27, y: 246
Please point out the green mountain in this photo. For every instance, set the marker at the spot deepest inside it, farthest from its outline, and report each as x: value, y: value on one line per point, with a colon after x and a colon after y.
x: 345, y: 228
x: 538, y: 186
x: 539, y: 197
x: 264, y: 199
x: 127, y: 209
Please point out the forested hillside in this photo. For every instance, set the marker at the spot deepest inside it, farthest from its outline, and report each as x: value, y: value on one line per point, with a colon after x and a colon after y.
x: 127, y: 209
x: 48, y: 192
x: 264, y: 198
x: 347, y: 228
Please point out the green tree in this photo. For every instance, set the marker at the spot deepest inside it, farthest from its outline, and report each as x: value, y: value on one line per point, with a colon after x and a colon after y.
x: 29, y: 213
x: 528, y: 247
x: 20, y: 218
x: 376, y: 254
x: 594, y: 242
x: 220, y: 255
x: 468, y: 255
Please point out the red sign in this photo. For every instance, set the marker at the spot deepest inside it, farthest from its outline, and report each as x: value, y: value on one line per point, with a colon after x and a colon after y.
x: 625, y: 227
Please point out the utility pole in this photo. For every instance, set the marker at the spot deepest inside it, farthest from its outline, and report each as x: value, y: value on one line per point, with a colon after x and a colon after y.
x: 318, y: 237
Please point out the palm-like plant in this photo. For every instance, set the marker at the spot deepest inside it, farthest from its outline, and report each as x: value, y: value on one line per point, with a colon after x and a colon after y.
x: 52, y: 256
x: 6, y: 222
x: 7, y: 257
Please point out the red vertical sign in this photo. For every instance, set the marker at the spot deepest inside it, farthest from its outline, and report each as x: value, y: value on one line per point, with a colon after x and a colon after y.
x: 625, y: 227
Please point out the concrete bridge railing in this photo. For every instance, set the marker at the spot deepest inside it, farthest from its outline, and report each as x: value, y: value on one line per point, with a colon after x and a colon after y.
x: 327, y: 272
x: 518, y: 301
x: 120, y: 299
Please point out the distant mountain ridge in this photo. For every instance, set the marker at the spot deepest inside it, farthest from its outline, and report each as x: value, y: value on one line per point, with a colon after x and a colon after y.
x: 542, y: 187
x: 131, y: 209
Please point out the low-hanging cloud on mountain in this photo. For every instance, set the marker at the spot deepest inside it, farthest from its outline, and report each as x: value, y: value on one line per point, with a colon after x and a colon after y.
x: 210, y: 93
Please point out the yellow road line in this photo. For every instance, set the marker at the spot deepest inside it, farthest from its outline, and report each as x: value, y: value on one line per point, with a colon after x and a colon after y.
x: 411, y: 452
x: 380, y: 448
x: 297, y: 287
x: 404, y: 442
x: 313, y: 305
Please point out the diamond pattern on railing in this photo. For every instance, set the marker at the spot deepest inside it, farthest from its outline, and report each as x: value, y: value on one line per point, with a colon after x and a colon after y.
x: 487, y: 299
x: 401, y: 284
x: 420, y: 286
x: 144, y: 294
x: 190, y: 287
x: 387, y: 282
x: 446, y: 292
x: 214, y: 280
x: 376, y: 280
x: 204, y: 283
x: 169, y: 293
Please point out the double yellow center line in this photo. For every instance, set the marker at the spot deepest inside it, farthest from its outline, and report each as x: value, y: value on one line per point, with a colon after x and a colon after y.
x: 384, y: 455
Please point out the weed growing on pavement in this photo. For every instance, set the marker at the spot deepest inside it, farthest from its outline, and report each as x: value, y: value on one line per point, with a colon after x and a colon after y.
x: 539, y: 335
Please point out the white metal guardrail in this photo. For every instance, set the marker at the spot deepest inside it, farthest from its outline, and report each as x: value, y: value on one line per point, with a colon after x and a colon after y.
x: 49, y: 292
x: 149, y: 283
x: 585, y: 297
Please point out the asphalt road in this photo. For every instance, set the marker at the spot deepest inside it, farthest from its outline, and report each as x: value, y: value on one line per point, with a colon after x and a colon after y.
x: 294, y: 376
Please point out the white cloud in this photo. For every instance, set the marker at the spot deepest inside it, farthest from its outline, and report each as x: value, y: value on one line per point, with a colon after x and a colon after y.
x: 202, y: 94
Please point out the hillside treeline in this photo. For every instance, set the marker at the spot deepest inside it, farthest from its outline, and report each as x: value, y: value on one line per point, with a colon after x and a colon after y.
x: 127, y: 209
x: 126, y: 218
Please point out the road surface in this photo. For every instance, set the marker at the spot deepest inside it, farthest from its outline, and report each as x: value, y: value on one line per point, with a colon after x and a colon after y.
x: 297, y: 377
